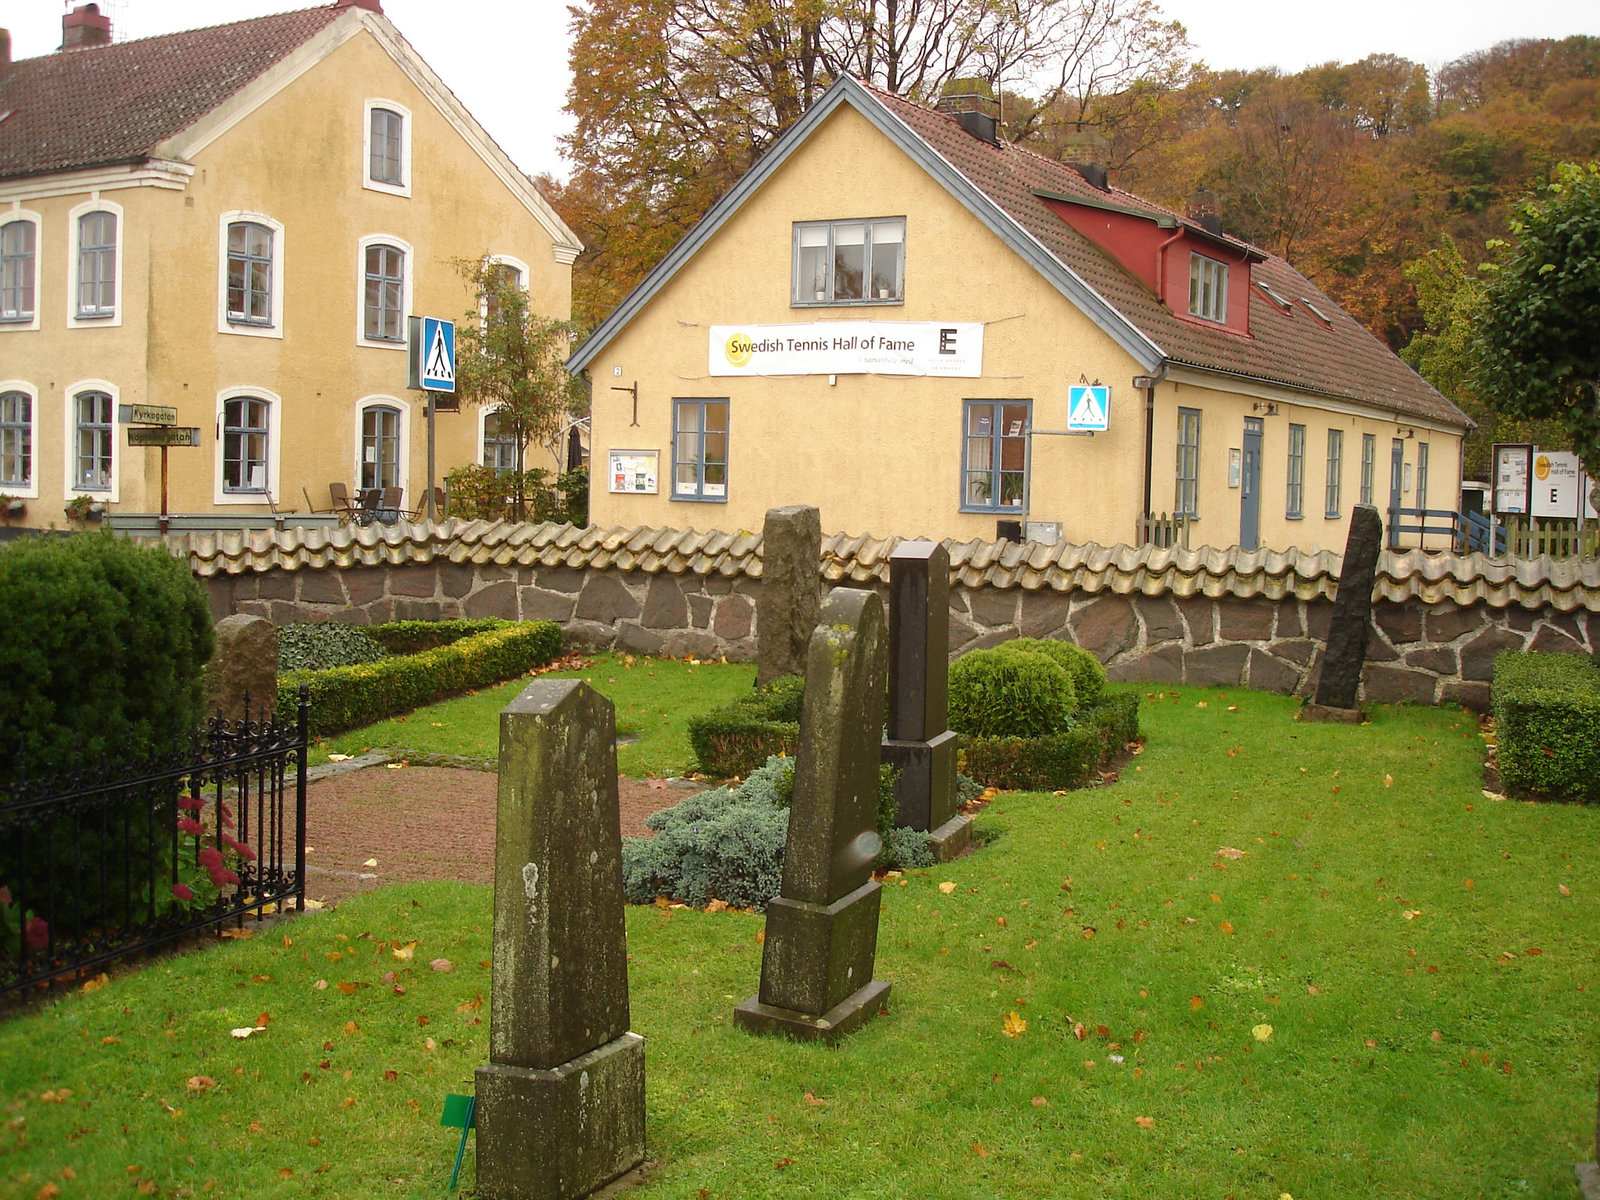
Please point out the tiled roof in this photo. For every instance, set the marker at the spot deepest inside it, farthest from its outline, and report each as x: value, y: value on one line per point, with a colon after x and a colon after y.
x: 1292, y: 348
x: 107, y: 105
x: 862, y: 561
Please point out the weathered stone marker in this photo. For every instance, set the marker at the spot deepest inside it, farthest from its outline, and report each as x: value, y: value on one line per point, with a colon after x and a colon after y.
x: 561, y: 1104
x: 786, y: 610
x: 919, y: 745
x: 245, y: 664
x: 1346, y: 651
x: 822, y: 932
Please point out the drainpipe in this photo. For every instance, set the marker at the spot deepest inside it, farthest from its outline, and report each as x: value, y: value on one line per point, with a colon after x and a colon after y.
x: 1161, y: 277
x: 1148, y: 383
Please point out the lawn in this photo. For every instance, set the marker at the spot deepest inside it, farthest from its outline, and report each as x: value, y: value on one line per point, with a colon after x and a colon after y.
x: 1274, y: 958
x: 654, y: 698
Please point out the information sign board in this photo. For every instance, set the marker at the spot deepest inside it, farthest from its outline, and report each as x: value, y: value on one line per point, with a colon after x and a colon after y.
x: 146, y: 414
x: 182, y: 435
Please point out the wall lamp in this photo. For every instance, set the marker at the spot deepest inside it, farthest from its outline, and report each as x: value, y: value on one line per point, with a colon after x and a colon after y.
x: 1269, y: 407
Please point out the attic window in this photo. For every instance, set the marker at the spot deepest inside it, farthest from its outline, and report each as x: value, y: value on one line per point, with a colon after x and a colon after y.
x: 1317, y: 312
x: 1276, y: 297
x: 1208, y: 289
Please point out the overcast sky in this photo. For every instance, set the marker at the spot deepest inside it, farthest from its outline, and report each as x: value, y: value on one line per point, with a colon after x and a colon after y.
x: 507, y: 59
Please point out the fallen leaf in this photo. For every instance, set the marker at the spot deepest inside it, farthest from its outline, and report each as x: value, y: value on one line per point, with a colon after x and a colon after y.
x: 245, y: 1031
x: 394, y: 766
x: 1040, y: 1102
x: 404, y: 953
x: 1145, y: 1122
x: 761, y: 937
x: 1564, y: 889
x: 320, y: 985
x: 371, y: 862
x: 1013, y: 1025
x: 1079, y: 1031
x: 110, y: 1041
x: 1195, y: 1003
x: 429, y: 1044
x: 338, y: 758
x: 782, y: 1163
x: 947, y: 887
x: 812, y: 1099
x: 1262, y: 1033
x: 1230, y: 852
x: 1411, y: 914
x: 98, y: 982
x: 349, y: 989
x: 655, y: 784
x: 1388, y: 781
x: 201, y: 1083
x: 1226, y: 926
x: 442, y: 964
x: 1436, y: 1037
x: 48, y: 1192
x: 977, y: 1148
x: 1313, y: 990
x: 350, y: 1027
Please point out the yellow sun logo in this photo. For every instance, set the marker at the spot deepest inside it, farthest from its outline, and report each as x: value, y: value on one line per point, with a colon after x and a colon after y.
x: 739, y: 349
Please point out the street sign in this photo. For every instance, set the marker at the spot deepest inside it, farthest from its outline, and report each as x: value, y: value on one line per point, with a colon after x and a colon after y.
x: 1088, y: 408
x: 432, y: 354
x: 186, y: 435
x: 146, y: 414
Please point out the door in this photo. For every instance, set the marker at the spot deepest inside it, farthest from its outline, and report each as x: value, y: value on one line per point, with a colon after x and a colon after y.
x: 1250, y: 487
x: 1397, y: 460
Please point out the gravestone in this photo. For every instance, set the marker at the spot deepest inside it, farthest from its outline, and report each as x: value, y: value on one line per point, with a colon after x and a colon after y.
x: 786, y: 610
x: 560, y: 1106
x: 920, y: 745
x: 245, y: 664
x: 1346, y: 651
x: 822, y: 932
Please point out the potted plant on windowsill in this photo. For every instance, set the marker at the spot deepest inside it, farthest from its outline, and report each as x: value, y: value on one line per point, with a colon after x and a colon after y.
x: 85, y: 508
x: 12, y: 506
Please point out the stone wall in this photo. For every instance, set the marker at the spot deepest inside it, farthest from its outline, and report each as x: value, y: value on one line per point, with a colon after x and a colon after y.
x: 1210, y: 617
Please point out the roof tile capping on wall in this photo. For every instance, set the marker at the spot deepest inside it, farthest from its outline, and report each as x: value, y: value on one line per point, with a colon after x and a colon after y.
x: 1206, y: 616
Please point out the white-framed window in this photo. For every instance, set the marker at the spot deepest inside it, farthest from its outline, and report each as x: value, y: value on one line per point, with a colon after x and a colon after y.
x: 250, y: 285
x: 994, y: 456
x: 383, y: 429
x: 502, y: 267
x: 1422, y: 476
x: 384, y: 265
x: 386, y: 147
x: 90, y: 444
x: 1294, y: 506
x: 1187, y: 501
x: 247, y: 450
x: 19, y: 435
x: 19, y: 270
x: 499, y: 446
x: 700, y: 449
x: 1369, y: 458
x: 1335, y: 472
x: 849, y: 262
x: 95, y: 265
x: 1208, y: 288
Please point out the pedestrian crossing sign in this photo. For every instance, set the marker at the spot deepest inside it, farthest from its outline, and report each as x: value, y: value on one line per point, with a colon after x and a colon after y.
x: 433, y: 354
x: 1089, y: 408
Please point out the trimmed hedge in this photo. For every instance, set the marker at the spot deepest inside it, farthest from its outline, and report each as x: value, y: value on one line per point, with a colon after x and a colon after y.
x: 1547, y: 724
x: 344, y: 697
x: 413, y: 637
x: 1010, y: 691
x: 739, y: 738
x: 1056, y: 761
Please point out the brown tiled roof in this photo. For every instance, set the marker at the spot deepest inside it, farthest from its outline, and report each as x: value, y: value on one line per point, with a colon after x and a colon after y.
x: 108, y: 105
x: 1289, y: 348
x: 1566, y: 585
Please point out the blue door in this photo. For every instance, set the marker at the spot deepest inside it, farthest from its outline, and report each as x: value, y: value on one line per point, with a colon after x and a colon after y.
x: 1250, y: 487
x: 1397, y: 460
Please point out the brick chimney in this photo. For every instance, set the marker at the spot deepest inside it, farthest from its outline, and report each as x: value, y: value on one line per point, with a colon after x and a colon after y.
x: 1087, y: 151
x: 971, y: 102
x: 1205, y: 210
x: 85, y: 26
x: 5, y: 47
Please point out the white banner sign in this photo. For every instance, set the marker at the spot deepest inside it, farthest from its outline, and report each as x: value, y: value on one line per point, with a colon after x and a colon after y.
x: 1557, y: 489
x: 953, y: 350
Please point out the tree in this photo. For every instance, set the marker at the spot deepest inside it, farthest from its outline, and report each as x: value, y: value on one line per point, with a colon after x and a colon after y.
x: 1537, y: 354
x: 512, y: 359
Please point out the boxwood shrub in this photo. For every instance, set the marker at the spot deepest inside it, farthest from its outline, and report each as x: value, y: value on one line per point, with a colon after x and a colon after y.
x: 344, y: 697
x: 739, y: 737
x: 1546, y: 714
x: 413, y: 637
x: 1052, y: 761
x: 1010, y: 692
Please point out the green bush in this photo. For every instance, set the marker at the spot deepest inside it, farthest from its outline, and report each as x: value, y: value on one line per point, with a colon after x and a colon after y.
x: 727, y: 843
x: 1056, y: 761
x: 102, y: 648
x: 316, y: 647
x: 1005, y: 692
x: 413, y: 637
x: 1546, y: 718
x: 1088, y: 675
x: 738, y: 738
x: 344, y: 697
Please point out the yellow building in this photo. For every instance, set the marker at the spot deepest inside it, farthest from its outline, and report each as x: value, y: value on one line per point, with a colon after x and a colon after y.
x: 927, y: 332
x: 235, y: 223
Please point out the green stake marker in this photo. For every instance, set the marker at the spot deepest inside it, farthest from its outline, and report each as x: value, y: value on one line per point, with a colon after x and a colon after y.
x: 460, y: 1112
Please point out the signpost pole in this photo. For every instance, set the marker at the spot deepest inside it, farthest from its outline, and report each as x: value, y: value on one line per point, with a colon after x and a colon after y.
x: 163, y: 521
x: 431, y: 413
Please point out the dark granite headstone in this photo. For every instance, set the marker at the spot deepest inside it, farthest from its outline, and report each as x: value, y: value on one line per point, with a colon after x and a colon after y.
x: 920, y: 745
x: 1346, y: 653
x: 245, y: 664
x: 561, y: 1103
x: 822, y: 932
x: 786, y: 612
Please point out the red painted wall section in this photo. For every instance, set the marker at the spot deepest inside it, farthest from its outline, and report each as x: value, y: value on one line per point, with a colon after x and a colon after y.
x: 1136, y: 243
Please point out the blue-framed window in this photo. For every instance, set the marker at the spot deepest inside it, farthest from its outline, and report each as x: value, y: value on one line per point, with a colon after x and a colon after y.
x: 245, y: 430
x: 1369, y: 458
x: 850, y: 262
x: 1295, y: 505
x: 249, y: 274
x: 1187, y: 501
x: 1335, y: 470
x: 994, y: 455
x: 700, y: 449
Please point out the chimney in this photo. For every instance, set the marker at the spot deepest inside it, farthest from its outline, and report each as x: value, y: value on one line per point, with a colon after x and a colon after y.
x: 1087, y: 151
x: 971, y: 102
x: 1204, y: 209
x: 85, y: 26
x: 5, y: 47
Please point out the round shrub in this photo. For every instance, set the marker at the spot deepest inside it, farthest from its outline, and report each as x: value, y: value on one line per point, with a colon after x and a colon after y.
x: 316, y: 647
x: 102, y: 649
x: 1088, y: 676
x: 1006, y: 692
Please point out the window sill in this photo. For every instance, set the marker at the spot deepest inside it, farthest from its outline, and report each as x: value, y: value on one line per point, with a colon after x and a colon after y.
x: 383, y: 343
x: 22, y: 319
x: 701, y: 499
x: 1294, y: 516
x: 93, y: 316
x: 888, y: 302
x: 1005, y: 510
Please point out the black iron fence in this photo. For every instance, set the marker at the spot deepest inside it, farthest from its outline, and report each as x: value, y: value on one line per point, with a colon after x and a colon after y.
x: 101, y: 861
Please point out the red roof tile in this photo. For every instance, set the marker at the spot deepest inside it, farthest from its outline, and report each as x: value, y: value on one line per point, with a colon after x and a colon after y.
x: 1340, y: 359
x: 108, y: 105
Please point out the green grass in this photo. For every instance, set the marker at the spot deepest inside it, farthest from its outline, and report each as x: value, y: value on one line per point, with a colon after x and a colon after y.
x: 654, y: 697
x: 1352, y: 1096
